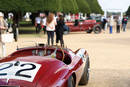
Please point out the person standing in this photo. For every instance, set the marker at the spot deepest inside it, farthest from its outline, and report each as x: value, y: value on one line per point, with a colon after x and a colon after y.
x: 3, y: 25
x: 50, y: 28
x: 60, y: 30
x: 118, y: 23
x: 15, y: 33
x: 38, y: 24
x: 3, y: 29
x: 124, y: 23
x: 104, y: 21
x: 111, y: 23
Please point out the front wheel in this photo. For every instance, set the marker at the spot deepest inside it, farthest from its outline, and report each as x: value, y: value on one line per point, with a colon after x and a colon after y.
x: 97, y: 29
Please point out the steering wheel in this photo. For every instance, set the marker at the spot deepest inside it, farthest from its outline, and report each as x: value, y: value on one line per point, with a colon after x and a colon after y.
x: 63, y: 54
x: 53, y: 54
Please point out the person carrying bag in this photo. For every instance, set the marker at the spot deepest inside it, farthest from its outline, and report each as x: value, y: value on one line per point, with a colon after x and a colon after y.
x: 3, y: 25
x: 5, y: 36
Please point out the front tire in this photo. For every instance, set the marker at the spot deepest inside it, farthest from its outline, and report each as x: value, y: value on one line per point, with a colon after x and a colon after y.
x: 97, y: 29
x: 85, y: 77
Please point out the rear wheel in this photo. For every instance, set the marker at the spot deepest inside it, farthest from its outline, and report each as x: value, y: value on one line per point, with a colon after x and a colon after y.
x: 71, y: 82
x: 85, y: 76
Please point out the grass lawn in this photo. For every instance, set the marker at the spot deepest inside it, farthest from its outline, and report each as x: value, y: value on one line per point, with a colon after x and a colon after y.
x: 29, y: 31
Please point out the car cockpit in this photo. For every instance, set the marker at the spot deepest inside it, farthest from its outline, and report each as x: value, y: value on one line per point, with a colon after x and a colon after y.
x: 45, y: 51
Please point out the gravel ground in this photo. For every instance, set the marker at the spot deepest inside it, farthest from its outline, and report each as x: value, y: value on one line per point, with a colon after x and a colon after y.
x: 109, y: 55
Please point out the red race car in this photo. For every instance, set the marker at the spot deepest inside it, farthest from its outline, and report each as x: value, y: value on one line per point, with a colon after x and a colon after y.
x: 44, y: 66
x: 86, y: 25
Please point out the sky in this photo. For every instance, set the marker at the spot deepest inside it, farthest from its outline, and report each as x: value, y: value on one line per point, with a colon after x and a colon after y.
x: 115, y: 4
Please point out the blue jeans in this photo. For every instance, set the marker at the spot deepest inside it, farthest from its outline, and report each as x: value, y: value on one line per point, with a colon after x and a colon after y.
x: 50, y: 35
x: 110, y: 30
x: 38, y: 28
x: 124, y: 27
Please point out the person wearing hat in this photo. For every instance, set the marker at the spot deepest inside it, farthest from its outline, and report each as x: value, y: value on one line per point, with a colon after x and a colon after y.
x: 3, y: 24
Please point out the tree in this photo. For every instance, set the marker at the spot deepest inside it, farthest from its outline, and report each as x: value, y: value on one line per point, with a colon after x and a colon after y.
x: 17, y: 7
x: 128, y: 11
x: 83, y: 6
x: 54, y: 5
x: 94, y: 6
x: 69, y: 6
x: 14, y: 5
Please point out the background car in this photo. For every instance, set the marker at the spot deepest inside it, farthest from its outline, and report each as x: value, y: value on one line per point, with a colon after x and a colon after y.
x: 84, y: 25
x: 45, y: 66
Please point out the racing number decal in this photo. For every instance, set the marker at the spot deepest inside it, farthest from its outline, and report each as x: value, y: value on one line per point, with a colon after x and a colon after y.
x: 18, y: 73
x: 19, y: 70
x: 5, y: 67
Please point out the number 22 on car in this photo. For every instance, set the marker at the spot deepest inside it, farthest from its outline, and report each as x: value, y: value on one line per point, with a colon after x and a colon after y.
x: 19, y: 70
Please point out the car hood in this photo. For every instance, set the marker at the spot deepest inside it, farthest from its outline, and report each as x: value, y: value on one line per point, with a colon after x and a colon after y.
x: 48, y: 72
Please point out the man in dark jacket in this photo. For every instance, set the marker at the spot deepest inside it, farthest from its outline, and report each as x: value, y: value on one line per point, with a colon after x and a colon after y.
x: 124, y: 23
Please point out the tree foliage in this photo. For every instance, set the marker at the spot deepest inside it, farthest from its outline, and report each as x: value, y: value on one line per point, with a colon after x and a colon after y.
x: 73, y: 6
x: 14, y: 5
x: 39, y: 5
x: 128, y: 11
x: 69, y: 6
x: 44, y: 5
x: 83, y: 6
x: 94, y: 6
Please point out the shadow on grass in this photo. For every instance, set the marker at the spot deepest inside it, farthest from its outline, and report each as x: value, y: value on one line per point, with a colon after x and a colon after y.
x: 26, y: 27
x: 27, y: 30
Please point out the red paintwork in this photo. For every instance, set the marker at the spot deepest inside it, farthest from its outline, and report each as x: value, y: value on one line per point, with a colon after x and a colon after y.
x: 53, y: 72
x: 82, y: 26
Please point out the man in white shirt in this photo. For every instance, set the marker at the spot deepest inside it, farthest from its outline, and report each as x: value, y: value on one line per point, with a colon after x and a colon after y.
x: 37, y: 24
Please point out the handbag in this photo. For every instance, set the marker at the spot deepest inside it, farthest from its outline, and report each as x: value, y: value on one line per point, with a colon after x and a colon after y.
x: 10, y: 29
x: 7, y: 37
